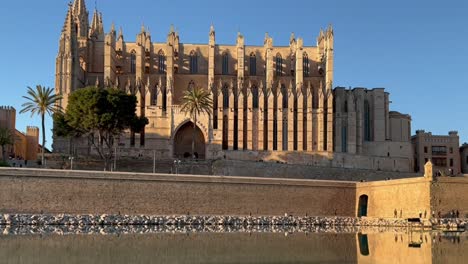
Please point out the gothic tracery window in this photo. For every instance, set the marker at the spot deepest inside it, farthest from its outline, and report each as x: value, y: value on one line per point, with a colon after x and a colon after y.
x: 279, y: 65
x: 253, y: 64
x: 133, y: 62
x: 161, y: 62
x: 193, y: 62
x: 305, y: 66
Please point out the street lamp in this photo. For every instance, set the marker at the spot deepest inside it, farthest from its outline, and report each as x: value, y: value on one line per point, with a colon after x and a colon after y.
x: 177, y: 164
x: 71, y: 162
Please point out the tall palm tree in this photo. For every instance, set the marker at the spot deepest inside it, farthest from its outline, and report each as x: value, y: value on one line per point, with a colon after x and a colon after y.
x: 41, y: 101
x: 6, y: 138
x: 195, y: 102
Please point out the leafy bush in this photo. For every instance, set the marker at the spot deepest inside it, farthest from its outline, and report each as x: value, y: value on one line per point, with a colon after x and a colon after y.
x: 4, y: 164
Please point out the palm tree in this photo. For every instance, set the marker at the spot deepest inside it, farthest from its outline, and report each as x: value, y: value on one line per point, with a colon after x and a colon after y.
x: 6, y: 138
x: 195, y: 102
x: 41, y: 101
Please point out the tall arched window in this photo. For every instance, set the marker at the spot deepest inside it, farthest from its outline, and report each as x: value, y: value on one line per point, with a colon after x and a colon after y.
x: 225, y: 63
x: 253, y: 65
x: 367, y: 121
x: 161, y: 62
x: 305, y: 65
x: 225, y: 97
x: 279, y: 65
x: 255, y: 97
x: 345, y: 107
x: 193, y: 62
x: 133, y: 62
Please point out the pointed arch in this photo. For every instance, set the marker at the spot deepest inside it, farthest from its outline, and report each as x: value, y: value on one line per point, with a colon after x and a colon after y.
x: 161, y: 62
x: 279, y: 64
x: 182, y: 140
x: 252, y: 64
x: 193, y: 57
x: 133, y: 62
x: 305, y: 65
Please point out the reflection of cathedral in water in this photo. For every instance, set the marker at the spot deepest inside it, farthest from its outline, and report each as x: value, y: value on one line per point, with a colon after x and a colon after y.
x: 265, y: 98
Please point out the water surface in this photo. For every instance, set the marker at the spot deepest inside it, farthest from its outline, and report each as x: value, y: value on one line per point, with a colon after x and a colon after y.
x: 401, y: 246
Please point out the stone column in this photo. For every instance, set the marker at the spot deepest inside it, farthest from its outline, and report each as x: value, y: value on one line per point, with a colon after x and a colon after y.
x: 240, y: 115
x: 261, y: 116
x: 252, y: 125
x: 220, y: 112
x: 351, y: 123
x: 330, y: 121
x: 279, y: 117
x: 270, y: 98
x: 290, y: 117
x: 300, y: 117
x: 230, y: 113
x: 309, y: 137
x: 320, y: 120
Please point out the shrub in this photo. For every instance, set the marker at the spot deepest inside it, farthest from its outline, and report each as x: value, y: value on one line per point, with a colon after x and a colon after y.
x: 4, y: 164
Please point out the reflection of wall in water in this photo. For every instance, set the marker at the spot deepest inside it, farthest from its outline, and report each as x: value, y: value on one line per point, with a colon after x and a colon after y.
x: 412, y: 247
x: 180, y: 248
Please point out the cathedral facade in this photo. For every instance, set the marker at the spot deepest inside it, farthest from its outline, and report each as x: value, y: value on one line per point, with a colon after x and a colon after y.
x: 267, y: 100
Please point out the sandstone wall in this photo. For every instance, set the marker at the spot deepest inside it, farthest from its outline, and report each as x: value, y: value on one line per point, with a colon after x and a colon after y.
x: 407, y: 196
x: 75, y: 192
x: 450, y: 193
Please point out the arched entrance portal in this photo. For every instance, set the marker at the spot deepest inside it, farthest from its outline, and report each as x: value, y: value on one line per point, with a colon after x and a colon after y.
x: 183, y: 142
x: 362, y: 207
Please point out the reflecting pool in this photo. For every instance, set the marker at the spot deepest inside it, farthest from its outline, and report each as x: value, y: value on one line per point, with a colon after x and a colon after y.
x: 370, y: 246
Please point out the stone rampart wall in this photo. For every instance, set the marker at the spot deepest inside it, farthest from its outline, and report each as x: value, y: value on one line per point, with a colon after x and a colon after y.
x: 450, y: 194
x: 408, y: 197
x: 77, y: 192
x: 86, y: 192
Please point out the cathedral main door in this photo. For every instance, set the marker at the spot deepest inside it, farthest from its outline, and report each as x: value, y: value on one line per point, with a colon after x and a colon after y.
x: 183, y: 142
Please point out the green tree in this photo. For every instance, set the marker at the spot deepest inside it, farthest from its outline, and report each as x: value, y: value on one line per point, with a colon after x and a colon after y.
x: 6, y: 139
x: 102, y: 115
x: 41, y: 101
x: 63, y: 129
x: 195, y: 102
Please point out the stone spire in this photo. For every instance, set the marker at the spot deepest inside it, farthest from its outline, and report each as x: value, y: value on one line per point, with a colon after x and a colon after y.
x: 79, y: 7
x: 212, y: 30
x: 120, y: 37
x: 97, y: 27
x: 94, y: 23
x: 80, y: 16
x: 68, y: 25
x: 101, y: 24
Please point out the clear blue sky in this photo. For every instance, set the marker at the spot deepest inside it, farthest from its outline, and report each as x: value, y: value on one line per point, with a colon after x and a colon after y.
x: 417, y: 50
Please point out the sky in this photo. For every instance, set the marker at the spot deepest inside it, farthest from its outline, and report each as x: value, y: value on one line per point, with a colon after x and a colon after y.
x: 416, y: 50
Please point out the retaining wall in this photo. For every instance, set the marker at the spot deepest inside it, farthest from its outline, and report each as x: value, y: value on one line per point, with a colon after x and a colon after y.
x: 91, y: 192
x: 79, y: 192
